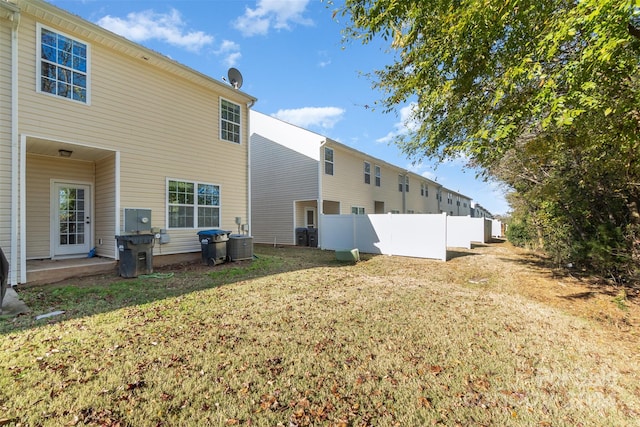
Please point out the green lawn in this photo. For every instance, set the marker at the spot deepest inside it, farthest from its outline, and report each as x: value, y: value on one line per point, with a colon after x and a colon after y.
x: 295, y: 338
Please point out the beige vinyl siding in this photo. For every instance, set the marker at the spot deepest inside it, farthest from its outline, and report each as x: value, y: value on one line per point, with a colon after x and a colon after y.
x: 40, y: 171
x: 348, y: 187
x: 104, y: 211
x: 418, y: 202
x: 5, y: 136
x: 162, y: 125
x: 279, y: 176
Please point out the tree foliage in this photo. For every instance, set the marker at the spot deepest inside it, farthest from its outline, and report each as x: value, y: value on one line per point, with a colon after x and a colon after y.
x: 540, y: 94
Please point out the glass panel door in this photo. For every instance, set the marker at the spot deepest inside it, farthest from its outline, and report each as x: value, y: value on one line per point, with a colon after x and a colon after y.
x: 72, y: 223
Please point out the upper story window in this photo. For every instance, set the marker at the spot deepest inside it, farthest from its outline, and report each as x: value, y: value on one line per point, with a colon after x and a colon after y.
x: 357, y: 210
x: 377, y: 172
x: 63, y: 65
x: 405, y: 179
x: 229, y: 121
x: 449, y: 199
x: 367, y: 173
x: 328, y: 161
x: 193, y: 204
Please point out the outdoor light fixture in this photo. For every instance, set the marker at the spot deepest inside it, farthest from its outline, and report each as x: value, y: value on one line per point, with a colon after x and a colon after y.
x: 65, y: 153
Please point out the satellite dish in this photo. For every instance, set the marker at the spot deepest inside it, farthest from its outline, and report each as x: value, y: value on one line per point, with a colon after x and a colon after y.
x: 235, y: 78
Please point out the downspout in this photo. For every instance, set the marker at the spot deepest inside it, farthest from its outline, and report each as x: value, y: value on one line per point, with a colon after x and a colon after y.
x: 320, y: 202
x: 249, y: 224
x: 15, y: 160
x: 404, y: 192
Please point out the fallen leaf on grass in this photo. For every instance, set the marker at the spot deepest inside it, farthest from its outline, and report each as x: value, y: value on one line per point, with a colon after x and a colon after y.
x: 425, y: 402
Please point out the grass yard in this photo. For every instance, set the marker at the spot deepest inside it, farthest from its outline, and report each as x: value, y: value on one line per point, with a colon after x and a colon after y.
x: 490, y: 338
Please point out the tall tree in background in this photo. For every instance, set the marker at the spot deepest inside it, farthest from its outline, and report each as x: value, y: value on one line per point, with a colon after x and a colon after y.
x: 543, y: 95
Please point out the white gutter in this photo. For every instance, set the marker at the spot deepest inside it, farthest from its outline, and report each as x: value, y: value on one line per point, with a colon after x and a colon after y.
x: 15, y: 163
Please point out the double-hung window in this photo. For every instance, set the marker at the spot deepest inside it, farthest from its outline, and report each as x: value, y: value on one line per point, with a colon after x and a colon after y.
x: 63, y: 65
x: 367, y: 173
x: 229, y: 121
x: 357, y: 210
x: 328, y: 161
x: 403, y: 179
x: 193, y: 204
x: 377, y: 171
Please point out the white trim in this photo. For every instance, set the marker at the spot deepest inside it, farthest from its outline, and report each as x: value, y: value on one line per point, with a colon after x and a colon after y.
x: 21, y: 193
x: 39, y: 28
x: 249, y: 170
x: 195, y: 204
x: 240, y: 133
x: 117, y: 204
x: 53, y: 221
x: 308, y: 209
x: 15, y: 163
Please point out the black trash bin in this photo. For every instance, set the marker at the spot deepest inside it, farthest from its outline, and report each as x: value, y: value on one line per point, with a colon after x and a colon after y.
x: 4, y: 277
x: 312, y: 234
x: 136, y: 254
x: 302, y: 238
x: 213, y: 244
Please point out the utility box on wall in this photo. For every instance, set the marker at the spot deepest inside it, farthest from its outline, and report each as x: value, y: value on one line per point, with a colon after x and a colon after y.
x: 137, y: 220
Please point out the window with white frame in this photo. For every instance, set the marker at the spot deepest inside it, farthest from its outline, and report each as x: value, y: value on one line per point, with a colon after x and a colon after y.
x: 63, y: 65
x: 357, y: 210
x: 367, y: 173
x: 328, y: 161
x: 193, y: 204
x: 377, y: 172
x: 230, y: 121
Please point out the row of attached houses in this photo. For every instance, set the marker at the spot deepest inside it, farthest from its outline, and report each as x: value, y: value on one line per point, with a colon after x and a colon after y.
x: 479, y: 211
x: 297, y: 174
x: 93, y: 126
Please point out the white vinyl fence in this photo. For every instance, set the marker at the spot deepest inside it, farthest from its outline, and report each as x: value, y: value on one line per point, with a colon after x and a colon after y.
x: 420, y: 236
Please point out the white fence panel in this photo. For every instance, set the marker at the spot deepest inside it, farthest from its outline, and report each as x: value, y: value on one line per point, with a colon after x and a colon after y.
x: 421, y: 236
x: 496, y: 228
x: 336, y: 232
x: 459, y: 231
x: 488, y: 225
x: 480, y: 230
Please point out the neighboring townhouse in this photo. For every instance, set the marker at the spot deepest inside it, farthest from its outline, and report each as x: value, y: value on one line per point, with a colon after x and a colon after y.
x: 295, y: 171
x: 478, y: 211
x: 93, y: 124
x: 454, y: 203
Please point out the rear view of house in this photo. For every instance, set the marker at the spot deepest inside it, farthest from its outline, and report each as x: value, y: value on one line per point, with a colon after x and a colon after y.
x: 93, y: 125
x: 297, y: 175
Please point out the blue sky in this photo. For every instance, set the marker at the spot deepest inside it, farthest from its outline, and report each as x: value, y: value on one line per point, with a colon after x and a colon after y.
x: 292, y: 58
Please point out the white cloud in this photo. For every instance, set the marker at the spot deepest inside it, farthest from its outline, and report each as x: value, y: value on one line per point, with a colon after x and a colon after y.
x: 406, y: 124
x: 278, y: 14
x: 325, y: 60
x: 230, y: 51
x: 324, y: 117
x: 148, y: 25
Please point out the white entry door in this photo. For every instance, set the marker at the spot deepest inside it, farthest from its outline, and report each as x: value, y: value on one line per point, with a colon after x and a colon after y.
x: 71, y: 227
x: 310, y: 217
